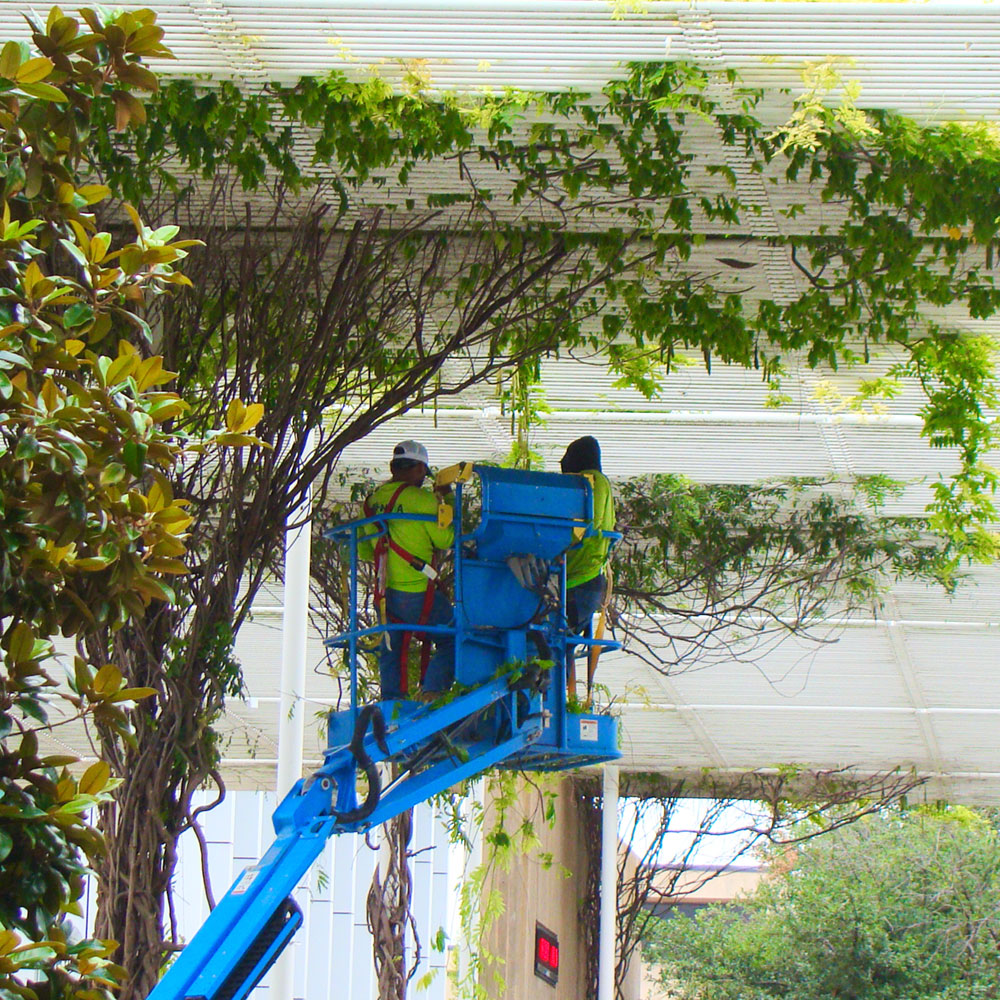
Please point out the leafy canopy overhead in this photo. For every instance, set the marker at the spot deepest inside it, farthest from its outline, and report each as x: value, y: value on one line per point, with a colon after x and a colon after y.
x: 609, y: 180
x: 339, y: 296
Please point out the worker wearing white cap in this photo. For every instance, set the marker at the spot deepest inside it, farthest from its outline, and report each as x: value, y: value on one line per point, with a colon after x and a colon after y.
x: 406, y: 589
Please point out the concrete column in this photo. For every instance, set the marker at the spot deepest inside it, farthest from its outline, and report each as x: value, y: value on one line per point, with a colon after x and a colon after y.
x: 294, y: 631
x: 292, y: 688
x: 609, y: 885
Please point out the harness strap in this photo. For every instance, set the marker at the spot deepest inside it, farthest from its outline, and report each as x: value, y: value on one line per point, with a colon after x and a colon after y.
x: 381, y: 560
x: 384, y: 544
x: 593, y: 654
x: 415, y: 561
x: 425, y: 615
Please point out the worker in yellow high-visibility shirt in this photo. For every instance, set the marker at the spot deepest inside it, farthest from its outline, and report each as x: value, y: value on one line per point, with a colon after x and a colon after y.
x: 586, y: 576
x: 406, y: 579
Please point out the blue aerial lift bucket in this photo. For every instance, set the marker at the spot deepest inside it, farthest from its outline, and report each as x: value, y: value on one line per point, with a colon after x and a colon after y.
x: 510, y: 708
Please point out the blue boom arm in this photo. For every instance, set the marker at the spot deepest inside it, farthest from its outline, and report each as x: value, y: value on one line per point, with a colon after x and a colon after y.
x: 511, y: 641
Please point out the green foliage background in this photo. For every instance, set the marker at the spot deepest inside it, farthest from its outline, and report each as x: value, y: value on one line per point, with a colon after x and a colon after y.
x: 902, y: 905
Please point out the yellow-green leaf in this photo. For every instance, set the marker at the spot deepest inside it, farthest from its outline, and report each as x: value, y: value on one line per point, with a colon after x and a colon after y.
x: 177, y: 279
x: 120, y: 369
x: 59, y: 760
x: 151, y: 588
x: 134, y: 216
x: 10, y: 60
x: 133, y: 694
x: 251, y: 418
x: 9, y: 940
x: 55, y: 14
x: 32, y: 276
x: 159, y: 255
x: 175, y: 567
x: 89, y: 564
x: 145, y: 39
x: 151, y: 373
x: 33, y: 70
x: 235, y: 440
x: 62, y: 30
x: 160, y: 494
x: 44, y: 91
x: 95, y: 778
x: 173, y: 519
x: 22, y: 642
x: 169, y: 546
x: 234, y: 414
x: 93, y: 193
x: 108, y: 680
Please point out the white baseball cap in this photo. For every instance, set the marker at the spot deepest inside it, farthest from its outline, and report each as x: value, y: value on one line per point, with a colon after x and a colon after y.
x: 413, y: 450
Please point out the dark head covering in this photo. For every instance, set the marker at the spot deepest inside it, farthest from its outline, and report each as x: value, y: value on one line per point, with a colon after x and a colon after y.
x: 582, y: 454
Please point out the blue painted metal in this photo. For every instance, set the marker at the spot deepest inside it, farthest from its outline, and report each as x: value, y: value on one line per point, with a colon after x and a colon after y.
x: 511, y: 646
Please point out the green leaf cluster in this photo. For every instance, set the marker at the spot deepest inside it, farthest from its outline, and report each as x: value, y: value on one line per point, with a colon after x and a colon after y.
x: 694, y: 538
x: 898, y: 906
x: 43, y: 836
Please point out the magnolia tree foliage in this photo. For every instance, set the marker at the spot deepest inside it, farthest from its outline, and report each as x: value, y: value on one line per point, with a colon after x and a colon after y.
x: 900, y: 905
x: 91, y: 530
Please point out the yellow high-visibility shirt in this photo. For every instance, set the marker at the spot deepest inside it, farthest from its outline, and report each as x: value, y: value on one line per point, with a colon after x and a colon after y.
x: 587, y: 561
x: 420, y: 538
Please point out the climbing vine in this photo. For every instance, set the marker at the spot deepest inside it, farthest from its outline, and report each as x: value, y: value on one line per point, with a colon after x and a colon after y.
x: 503, y: 820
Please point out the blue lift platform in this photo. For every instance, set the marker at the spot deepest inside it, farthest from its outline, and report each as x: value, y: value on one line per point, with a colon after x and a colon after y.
x: 508, y: 709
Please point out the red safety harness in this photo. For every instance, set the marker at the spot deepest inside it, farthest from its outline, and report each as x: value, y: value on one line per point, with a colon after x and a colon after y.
x: 382, y: 547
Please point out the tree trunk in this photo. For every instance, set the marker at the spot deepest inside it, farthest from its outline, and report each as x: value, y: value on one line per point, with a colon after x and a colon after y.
x: 173, y: 755
x: 389, y: 914
x: 139, y: 828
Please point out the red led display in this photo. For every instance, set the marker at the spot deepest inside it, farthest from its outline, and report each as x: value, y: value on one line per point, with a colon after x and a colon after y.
x: 546, y: 955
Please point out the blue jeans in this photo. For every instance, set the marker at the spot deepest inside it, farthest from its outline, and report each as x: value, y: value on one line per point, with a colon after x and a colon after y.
x: 404, y: 606
x: 582, y: 603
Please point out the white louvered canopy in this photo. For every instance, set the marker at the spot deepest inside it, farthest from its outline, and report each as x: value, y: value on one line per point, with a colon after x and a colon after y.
x: 917, y: 686
x: 936, y: 59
